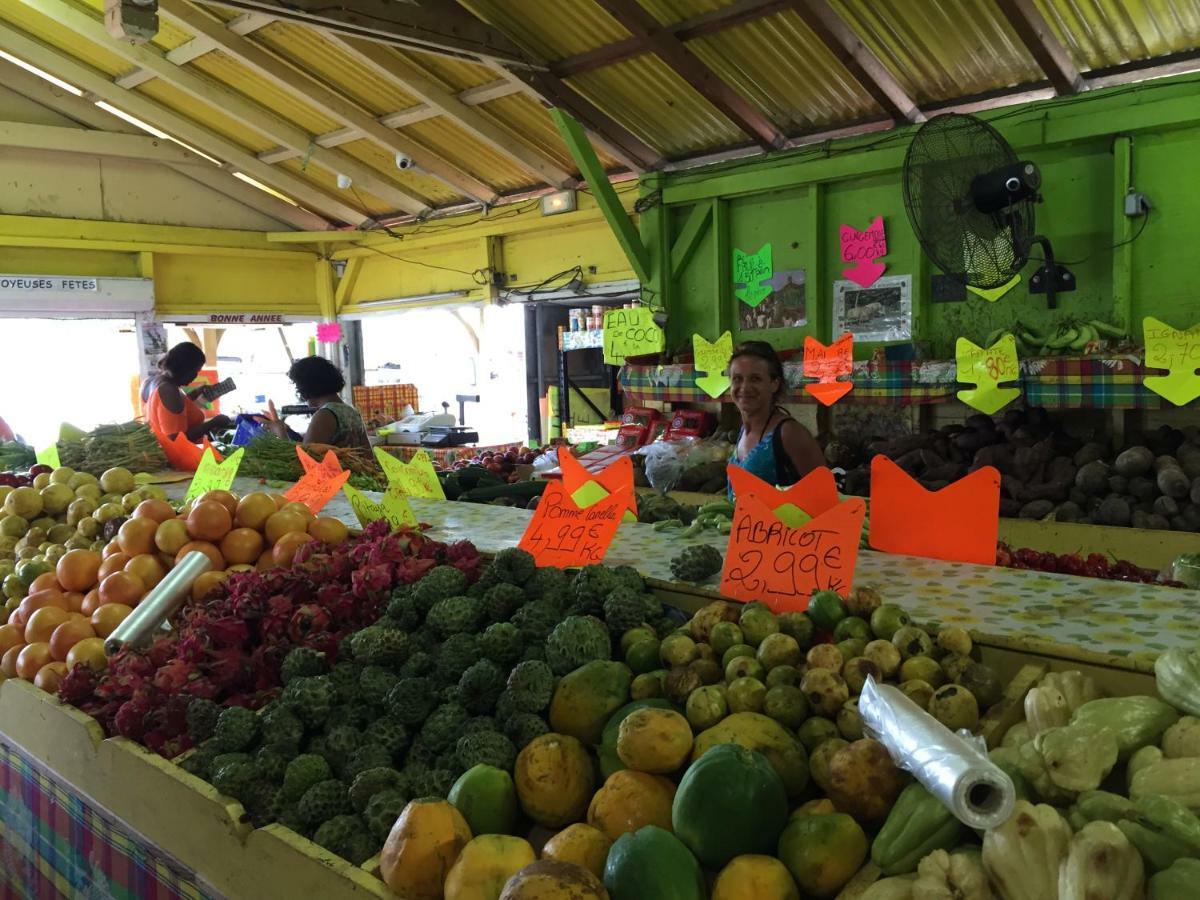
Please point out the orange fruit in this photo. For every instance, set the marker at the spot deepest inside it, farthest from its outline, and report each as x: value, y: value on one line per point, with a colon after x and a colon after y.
x: 16, y: 617
x: 209, y: 521
x: 8, y: 661
x: 242, y: 545
x: 112, y: 548
x: 148, y: 568
x: 74, y: 601
x: 171, y: 535
x: 280, y: 501
x: 254, y: 509
x: 225, y: 498
x: 122, y: 587
x: 67, y: 635
x: 34, y: 602
x: 137, y: 536
x: 79, y: 570
x: 42, y: 622
x: 328, y: 530
x: 47, y: 580
x: 285, y: 548
x: 49, y: 676
x: 88, y: 652
x: 266, y: 561
x: 91, y: 602
x: 106, y: 618
x: 300, y: 509
x: 209, y: 550
x: 114, y: 563
x: 158, y: 510
x: 206, y: 583
x: 31, y: 658
x: 285, y: 522
x: 241, y: 567
x: 10, y: 636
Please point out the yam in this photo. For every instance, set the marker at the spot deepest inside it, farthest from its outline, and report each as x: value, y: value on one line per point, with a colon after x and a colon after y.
x: 1089, y: 453
x: 950, y: 471
x: 1050, y: 490
x: 1194, y: 493
x: 1113, y: 511
x: 1166, y: 507
x: 1172, y: 482
x: 1061, y: 469
x: 1000, y: 456
x: 980, y: 422
x: 1189, y: 459
x: 1134, y: 461
x: 1191, y: 517
x: 1068, y: 512
x: 1093, y: 477
x: 1078, y: 496
x: 1139, y: 519
x: 910, y: 462
x: 1010, y: 508
x: 1142, y: 488
x: 1038, y: 509
x: 1118, y: 484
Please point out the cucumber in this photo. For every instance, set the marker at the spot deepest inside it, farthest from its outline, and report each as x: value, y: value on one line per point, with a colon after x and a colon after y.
x: 522, y: 490
x: 718, y: 508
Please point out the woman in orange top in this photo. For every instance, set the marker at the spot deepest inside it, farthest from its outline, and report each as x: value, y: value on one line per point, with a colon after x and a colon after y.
x: 169, y: 410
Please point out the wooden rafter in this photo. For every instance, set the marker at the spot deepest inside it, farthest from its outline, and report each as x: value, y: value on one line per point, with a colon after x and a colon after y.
x: 737, y: 13
x: 1051, y: 56
x: 744, y: 114
x: 247, y: 23
x: 334, y: 104
x: 858, y: 58
x: 101, y: 87
x: 377, y: 57
x: 431, y: 26
x: 235, y: 105
x: 113, y: 145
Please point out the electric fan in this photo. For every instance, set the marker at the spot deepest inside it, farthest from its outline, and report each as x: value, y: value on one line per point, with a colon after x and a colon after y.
x: 971, y: 202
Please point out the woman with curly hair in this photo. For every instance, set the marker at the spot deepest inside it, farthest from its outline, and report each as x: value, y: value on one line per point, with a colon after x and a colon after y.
x: 319, y: 383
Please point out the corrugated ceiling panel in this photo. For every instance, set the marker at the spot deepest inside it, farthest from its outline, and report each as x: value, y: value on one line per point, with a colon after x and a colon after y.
x: 942, y: 49
x: 551, y: 30
x: 281, y: 102
x: 455, y: 144
x: 647, y: 97
x: 1101, y: 33
x: 208, y: 116
x: 668, y: 12
x: 798, y: 84
x: 524, y: 116
x: 432, y: 190
x: 453, y: 73
x: 329, y: 63
x: 327, y: 180
x: 46, y: 29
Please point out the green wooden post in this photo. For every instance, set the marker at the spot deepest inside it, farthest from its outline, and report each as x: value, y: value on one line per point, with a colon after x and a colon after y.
x: 592, y: 170
x: 690, y: 235
x: 723, y: 267
x: 1122, y: 231
x: 654, y: 225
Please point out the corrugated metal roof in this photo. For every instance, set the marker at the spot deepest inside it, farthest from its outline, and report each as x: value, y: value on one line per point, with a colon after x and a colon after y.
x: 938, y: 51
x: 1101, y: 33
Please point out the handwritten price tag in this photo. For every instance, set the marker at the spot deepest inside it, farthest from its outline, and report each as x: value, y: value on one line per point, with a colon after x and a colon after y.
x: 713, y: 359
x: 587, y: 488
x: 320, y: 481
x: 986, y: 368
x: 782, y: 566
x: 825, y: 364
x: 561, y: 534
x: 212, y: 475
x: 49, y: 456
x: 812, y: 495
x: 394, y: 508
x: 750, y: 270
x: 630, y: 332
x: 1177, y: 351
x: 417, y: 477
x: 864, y: 248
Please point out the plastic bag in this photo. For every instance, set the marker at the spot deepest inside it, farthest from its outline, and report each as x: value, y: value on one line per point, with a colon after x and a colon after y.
x: 664, y: 463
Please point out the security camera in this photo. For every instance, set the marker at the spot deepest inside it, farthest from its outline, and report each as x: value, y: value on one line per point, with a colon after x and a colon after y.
x: 403, y: 161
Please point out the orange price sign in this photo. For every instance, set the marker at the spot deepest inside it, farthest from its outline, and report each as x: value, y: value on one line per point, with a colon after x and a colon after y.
x: 783, y: 566
x: 815, y: 493
x: 959, y: 523
x: 182, y: 454
x: 825, y: 364
x: 320, y: 481
x: 563, y: 534
x: 586, y: 488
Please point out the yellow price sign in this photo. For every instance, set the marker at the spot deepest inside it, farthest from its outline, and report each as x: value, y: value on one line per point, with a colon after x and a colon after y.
x: 49, y: 456
x: 1177, y: 351
x: 991, y: 295
x: 417, y: 478
x: 212, y: 475
x: 986, y: 368
x: 394, y: 508
x: 631, y: 332
x: 713, y: 359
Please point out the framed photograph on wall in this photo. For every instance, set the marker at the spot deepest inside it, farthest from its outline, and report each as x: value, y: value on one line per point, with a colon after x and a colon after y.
x: 881, y: 312
x: 785, y: 307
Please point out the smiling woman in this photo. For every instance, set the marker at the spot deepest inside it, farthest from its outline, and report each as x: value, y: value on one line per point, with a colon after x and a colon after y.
x: 771, y: 444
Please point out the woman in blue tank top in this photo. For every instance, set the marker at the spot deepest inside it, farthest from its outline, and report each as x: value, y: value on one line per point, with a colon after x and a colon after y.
x: 771, y: 444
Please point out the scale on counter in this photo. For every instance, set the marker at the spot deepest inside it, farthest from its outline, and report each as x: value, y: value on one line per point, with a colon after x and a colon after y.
x: 453, y: 435
x: 431, y: 429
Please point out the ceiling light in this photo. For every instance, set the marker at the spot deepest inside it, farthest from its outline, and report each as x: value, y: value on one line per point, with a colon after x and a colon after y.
x: 242, y: 176
x: 344, y: 182
x: 559, y: 202
x: 41, y: 73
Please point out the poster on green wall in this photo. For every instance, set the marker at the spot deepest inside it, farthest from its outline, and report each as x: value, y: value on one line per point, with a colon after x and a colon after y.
x: 786, y: 306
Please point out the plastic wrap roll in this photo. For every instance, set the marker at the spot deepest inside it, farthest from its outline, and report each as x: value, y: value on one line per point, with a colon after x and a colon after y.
x: 951, y: 767
x: 160, y: 604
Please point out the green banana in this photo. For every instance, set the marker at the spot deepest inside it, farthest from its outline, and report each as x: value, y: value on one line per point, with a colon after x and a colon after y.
x: 1033, y: 335
x: 1064, y: 338
x: 1087, y: 334
x: 1107, y: 330
x: 717, y: 508
x: 992, y: 337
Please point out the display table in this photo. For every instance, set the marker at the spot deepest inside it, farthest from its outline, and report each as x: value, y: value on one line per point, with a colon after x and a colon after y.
x: 446, y: 456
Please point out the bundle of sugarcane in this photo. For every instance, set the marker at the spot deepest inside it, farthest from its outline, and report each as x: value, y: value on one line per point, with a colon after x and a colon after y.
x: 130, y: 445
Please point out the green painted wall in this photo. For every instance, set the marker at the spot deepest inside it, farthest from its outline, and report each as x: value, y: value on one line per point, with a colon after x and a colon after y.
x: 797, y: 202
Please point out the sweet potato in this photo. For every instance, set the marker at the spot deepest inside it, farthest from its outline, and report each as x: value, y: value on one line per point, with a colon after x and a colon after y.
x: 1113, y: 511
x: 1093, y: 477
x: 1088, y: 453
x: 1166, y: 506
x: 1134, y: 461
x: 1068, y: 512
x: 1118, y: 484
x: 1172, y: 482
x: 1142, y: 488
x: 1010, y: 508
x: 1038, y: 509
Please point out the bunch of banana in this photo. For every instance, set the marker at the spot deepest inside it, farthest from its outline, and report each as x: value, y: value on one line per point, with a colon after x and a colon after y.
x: 1067, y: 339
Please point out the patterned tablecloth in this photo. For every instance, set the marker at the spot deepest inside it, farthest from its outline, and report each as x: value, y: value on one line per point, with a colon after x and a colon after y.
x: 55, y: 844
x: 1054, y: 382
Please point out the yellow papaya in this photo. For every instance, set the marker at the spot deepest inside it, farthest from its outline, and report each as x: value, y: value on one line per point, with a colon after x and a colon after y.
x: 583, y: 845
x: 657, y: 741
x: 585, y: 699
x: 629, y: 800
x: 555, y: 779
x: 822, y: 851
x: 421, y: 847
x: 485, y: 866
x: 754, y: 877
x: 553, y: 879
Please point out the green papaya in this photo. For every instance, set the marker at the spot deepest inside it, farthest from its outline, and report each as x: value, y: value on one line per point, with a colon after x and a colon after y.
x: 917, y: 825
x: 652, y: 862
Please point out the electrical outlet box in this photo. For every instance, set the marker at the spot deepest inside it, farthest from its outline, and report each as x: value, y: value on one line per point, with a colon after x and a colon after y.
x: 1136, y: 204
